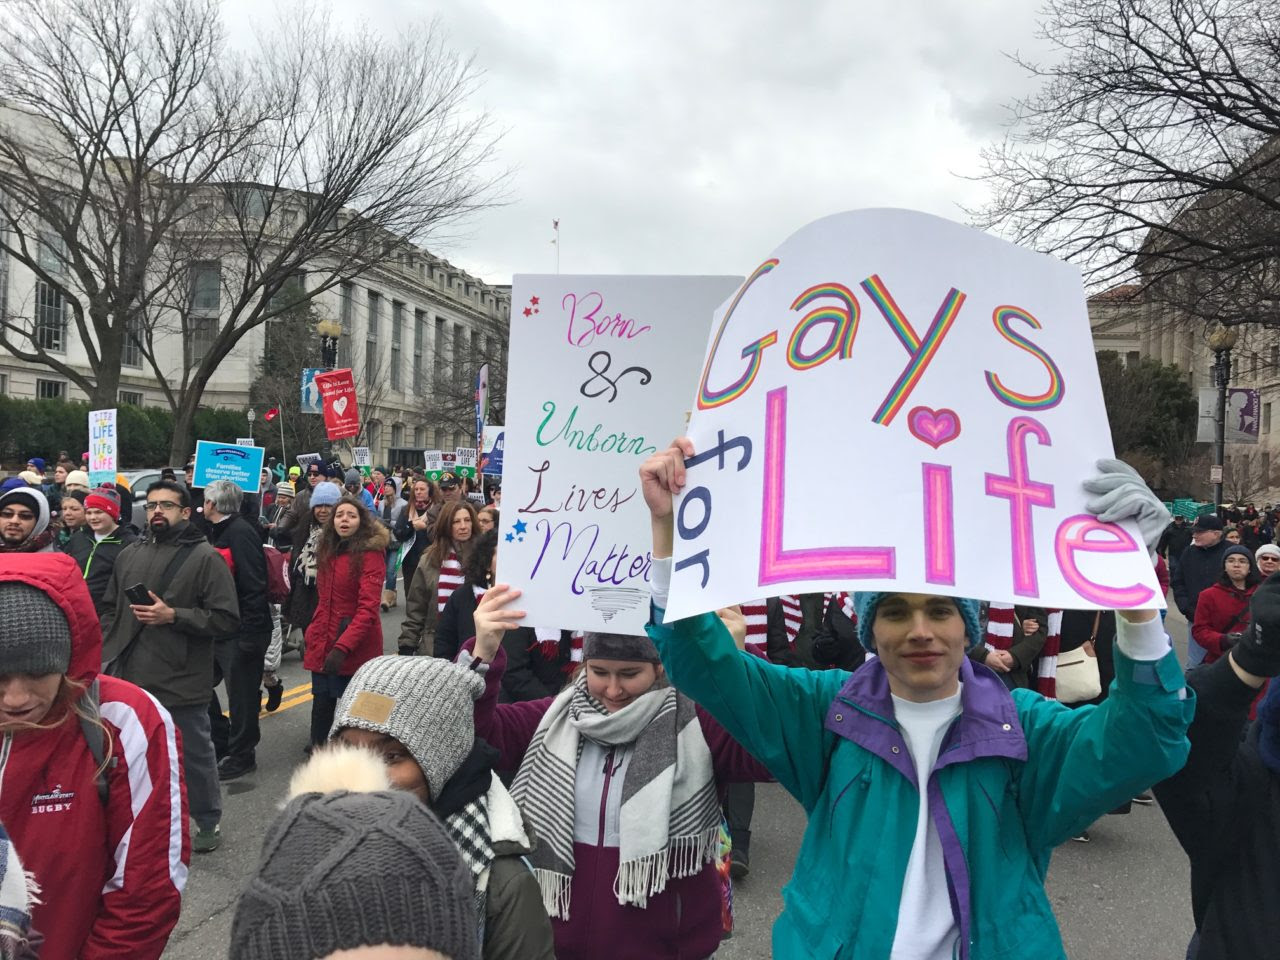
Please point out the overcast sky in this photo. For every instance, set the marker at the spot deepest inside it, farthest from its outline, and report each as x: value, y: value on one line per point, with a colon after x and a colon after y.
x: 694, y: 136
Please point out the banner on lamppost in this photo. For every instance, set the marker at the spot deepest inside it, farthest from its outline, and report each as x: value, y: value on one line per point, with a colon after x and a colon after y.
x: 310, y: 392
x: 103, y: 446
x: 1240, y: 421
x: 338, y: 397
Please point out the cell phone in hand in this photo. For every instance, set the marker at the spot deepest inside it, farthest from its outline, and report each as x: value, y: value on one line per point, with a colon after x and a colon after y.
x: 138, y: 594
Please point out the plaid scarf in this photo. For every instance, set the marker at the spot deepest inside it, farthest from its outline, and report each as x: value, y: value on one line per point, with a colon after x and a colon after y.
x: 18, y: 894
x: 671, y: 833
x: 469, y: 828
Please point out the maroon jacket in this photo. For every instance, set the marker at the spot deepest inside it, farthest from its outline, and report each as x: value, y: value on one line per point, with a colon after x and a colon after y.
x: 1219, y: 611
x: 347, y: 612
x: 681, y: 923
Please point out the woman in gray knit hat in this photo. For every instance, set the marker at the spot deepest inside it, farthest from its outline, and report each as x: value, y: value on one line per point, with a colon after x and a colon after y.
x: 415, y: 713
x: 621, y: 777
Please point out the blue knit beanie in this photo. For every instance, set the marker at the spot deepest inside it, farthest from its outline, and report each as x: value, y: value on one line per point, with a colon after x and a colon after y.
x: 865, y: 604
x: 325, y: 495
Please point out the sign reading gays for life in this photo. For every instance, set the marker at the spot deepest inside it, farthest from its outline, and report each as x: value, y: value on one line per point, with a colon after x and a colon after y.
x: 957, y: 372
x: 338, y: 397
x: 607, y: 367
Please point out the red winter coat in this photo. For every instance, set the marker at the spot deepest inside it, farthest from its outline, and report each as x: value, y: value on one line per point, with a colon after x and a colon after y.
x: 1219, y: 611
x: 111, y: 878
x: 342, y: 596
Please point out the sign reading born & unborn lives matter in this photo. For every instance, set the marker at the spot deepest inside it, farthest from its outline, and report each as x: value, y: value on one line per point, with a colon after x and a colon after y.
x: 601, y: 375
x: 892, y: 401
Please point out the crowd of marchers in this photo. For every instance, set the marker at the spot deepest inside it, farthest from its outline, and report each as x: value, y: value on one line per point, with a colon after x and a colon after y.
x: 501, y: 791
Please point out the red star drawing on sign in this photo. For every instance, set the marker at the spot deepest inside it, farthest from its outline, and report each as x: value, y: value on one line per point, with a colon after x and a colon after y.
x: 528, y: 312
x: 533, y: 301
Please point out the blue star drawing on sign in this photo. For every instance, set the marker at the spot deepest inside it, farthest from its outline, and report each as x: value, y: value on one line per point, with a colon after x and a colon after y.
x: 520, y: 527
x: 510, y: 537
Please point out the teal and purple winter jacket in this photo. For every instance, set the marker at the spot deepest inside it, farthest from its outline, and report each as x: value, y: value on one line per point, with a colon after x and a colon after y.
x: 1016, y: 776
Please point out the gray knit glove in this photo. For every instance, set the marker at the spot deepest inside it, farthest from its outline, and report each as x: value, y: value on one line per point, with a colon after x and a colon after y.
x: 1119, y: 493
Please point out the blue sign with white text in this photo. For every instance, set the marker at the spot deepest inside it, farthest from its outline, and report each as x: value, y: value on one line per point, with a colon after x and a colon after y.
x: 226, y: 461
x: 493, y: 459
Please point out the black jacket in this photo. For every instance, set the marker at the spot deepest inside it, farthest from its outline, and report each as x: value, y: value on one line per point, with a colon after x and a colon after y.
x: 96, y: 559
x: 529, y: 674
x: 1173, y: 541
x: 1224, y: 808
x: 242, y: 538
x: 826, y: 637
x: 1195, y: 570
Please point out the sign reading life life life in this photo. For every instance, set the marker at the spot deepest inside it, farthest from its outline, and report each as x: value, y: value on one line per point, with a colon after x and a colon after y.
x: 892, y: 401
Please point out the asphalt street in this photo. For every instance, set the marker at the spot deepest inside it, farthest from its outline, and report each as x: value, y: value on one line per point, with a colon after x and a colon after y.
x: 1123, y: 895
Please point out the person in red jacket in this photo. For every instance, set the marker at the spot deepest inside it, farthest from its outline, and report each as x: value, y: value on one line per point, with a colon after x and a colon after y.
x: 346, y: 630
x: 1222, y: 612
x: 110, y: 855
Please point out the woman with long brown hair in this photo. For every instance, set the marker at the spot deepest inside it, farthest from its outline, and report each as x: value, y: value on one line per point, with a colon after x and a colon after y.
x: 346, y: 631
x: 437, y: 576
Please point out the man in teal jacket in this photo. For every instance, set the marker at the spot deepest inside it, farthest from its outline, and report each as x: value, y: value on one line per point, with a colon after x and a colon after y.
x: 1008, y: 776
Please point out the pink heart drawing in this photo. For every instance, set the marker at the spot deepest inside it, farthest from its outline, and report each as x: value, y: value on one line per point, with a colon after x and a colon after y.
x: 934, y: 427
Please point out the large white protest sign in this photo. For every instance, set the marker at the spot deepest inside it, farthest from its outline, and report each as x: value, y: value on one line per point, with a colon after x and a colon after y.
x: 601, y: 375
x: 892, y: 401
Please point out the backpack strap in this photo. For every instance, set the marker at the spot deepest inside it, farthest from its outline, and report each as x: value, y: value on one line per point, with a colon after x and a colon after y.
x: 90, y: 716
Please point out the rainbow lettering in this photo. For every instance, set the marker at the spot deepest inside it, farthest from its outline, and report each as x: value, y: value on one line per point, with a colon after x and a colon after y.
x: 922, y: 351
x: 1002, y: 317
x: 1073, y: 534
x: 778, y: 564
x: 752, y: 352
x: 844, y: 326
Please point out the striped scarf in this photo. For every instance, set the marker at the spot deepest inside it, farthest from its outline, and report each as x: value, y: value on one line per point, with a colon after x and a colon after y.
x: 548, y: 643
x: 663, y: 831
x: 450, y: 580
x: 1000, y: 629
x: 756, y: 613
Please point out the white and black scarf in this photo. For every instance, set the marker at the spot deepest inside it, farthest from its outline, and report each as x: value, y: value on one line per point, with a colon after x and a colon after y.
x: 670, y: 817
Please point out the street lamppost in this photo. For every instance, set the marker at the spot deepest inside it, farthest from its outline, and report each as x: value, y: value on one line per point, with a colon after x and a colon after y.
x: 250, y: 416
x: 330, y: 331
x: 1221, y: 341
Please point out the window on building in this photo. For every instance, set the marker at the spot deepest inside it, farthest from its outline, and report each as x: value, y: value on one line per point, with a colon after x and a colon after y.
x: 1266, y: 418
x: 397, y: 434
x: 1266, y: 467
x: 419, y: 435
x: 346, y: 317
x: 1253, y: 364
x: 51, y: 389
x: 51, y: 319
x: 132, y: 398
x: 419, y: 336
x: 206, y: 287
x: 131, y: 351
x: 50, y: 252
x: 201, y: 332
x: 1275, y: 356
x: 4, y: 278
x: 397, y: 341
x: 4, y: 384
x: 1133, y: 358
x: 371, y: 354
x: 441, y: 348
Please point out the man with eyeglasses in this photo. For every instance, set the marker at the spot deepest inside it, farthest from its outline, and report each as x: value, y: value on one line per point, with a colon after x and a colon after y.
x: 24, y: 522
x: 167, y: 646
